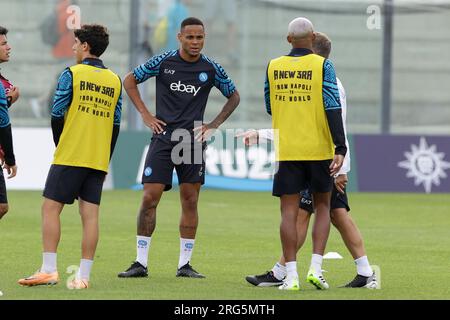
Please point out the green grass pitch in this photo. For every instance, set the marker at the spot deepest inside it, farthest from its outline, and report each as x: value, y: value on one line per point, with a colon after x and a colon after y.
x: 406, y: 235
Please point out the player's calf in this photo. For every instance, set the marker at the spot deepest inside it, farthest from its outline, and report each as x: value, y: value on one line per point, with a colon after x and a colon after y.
x: 3, y: 209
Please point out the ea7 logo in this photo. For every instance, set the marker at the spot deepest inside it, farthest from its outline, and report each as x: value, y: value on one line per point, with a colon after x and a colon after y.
x: 167, y: 71
x: 180, y: 87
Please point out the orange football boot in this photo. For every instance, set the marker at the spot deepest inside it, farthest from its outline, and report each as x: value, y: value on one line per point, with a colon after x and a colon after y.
x: 40, y: 278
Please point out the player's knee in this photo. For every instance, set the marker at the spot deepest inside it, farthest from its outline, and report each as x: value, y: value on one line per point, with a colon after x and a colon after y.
x: 3, y: 209
x: 334, y: 220
x: 189, y: 201
x: 339, y: 217
x: 149, y: 201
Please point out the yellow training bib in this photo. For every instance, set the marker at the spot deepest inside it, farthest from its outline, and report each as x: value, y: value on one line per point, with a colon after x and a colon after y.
x: 298, y: 111
x: 86, y: 137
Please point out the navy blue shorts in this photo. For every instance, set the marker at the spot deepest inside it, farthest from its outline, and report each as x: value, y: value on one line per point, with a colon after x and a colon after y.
x: 338, y: 200
x: 293, y: 177
x: 163, y: 156
x: 66, y: 183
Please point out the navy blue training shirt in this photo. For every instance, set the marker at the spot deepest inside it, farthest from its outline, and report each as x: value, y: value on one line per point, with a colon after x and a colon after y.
x: 182, y: 88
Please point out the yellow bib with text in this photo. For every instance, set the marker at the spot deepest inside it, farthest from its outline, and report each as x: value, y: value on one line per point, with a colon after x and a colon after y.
x: 298, y: 112
x: 88, y: 125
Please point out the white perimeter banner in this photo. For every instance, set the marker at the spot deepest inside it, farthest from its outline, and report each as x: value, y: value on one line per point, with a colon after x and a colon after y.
x: 34, y: 148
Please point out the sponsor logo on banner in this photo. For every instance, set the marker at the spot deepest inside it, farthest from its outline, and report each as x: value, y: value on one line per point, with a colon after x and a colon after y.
x: 425, y: 164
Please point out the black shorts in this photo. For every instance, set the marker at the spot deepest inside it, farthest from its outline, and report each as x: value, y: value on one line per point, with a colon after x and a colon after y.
x: 3, y: 195
x: 295, y: 176
x: 66, y: 183
x: 188, y: 161
x: 338, y: 200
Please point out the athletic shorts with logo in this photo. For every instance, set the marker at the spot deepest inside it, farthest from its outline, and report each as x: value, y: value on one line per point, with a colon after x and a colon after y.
x: 292, y: 177
x: 338, y: 200
x: 164, y: 156
x: 66, y: 183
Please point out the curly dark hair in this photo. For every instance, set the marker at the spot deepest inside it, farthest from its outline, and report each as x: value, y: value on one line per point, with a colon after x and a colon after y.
x: 96, y: 36
x: 3, y: 31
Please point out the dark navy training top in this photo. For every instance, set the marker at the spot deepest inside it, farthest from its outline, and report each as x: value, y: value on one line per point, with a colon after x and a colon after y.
x: 182, y: 88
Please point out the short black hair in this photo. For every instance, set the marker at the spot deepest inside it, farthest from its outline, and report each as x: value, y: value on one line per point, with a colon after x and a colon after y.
x: 3, y: 31
x: 96, y: 36
x: 191, y: 21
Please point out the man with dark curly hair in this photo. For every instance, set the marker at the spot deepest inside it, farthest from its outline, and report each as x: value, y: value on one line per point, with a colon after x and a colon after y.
x: 85, y: 122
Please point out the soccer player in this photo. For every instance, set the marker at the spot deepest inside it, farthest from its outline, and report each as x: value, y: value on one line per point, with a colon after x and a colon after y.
x: 302, y: 97
x: 85, y: 122
x: 8, y: 95
x: 340, y: 217
x: 184, y: 78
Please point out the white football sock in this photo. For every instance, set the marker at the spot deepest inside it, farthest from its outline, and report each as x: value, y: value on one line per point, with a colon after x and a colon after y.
x: 48, y: 262
x: 143, y: 245
x: 186, y: 247
x: 85, y: 269
x: 316, y: 263
x: 279, y: 271
x: 363, y: 267
x: 291, y: 270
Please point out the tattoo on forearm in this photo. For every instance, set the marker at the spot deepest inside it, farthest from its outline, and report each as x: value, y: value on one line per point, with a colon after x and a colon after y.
x: 227, y: 110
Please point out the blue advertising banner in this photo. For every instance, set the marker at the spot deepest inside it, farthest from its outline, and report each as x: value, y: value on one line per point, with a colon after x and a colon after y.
x: 379, y: 163
x: 229, y: 164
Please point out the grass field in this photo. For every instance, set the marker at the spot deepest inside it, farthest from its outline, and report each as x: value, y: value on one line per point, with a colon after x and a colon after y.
x: 406, y: 235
